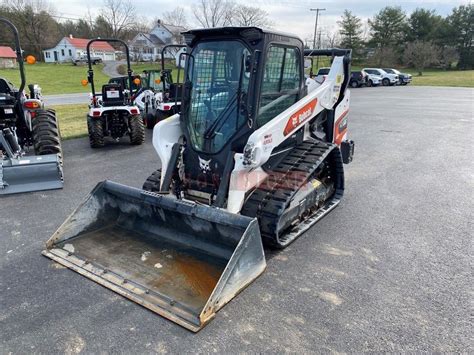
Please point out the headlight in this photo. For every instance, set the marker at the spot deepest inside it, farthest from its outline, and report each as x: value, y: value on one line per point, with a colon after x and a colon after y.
x: 251, y: 155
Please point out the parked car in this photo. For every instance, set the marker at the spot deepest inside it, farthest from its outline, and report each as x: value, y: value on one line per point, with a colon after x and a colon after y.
x: 372, y: 79
x: 387, y: 79
x: 403, y: 78
x: 83, y: 60
x: 358, y: 79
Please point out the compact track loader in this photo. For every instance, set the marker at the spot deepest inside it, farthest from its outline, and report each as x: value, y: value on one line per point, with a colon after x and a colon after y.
x: 256, y: 154
x: 26, y: 124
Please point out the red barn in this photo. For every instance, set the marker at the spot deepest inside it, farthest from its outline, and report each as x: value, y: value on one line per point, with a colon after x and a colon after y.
x: 7, y: 57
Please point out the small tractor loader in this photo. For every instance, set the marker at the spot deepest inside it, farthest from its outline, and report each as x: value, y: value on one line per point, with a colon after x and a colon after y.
x: 161, y: 96
x: 30, y: 144
x: 256, y: 154
x: 112, y: 113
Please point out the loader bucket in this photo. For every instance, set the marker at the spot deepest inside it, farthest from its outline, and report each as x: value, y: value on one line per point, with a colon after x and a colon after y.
x: 30, y: 173
x: 181, y: 260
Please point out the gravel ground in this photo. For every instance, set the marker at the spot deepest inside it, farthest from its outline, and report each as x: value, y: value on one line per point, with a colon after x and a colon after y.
x: 390, y: 269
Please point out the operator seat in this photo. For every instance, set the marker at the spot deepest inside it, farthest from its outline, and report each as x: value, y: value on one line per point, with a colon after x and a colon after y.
x: 6, y: 87
x: 112, y: 95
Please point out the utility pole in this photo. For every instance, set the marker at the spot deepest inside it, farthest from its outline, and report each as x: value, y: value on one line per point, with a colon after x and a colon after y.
x: 316, y: 24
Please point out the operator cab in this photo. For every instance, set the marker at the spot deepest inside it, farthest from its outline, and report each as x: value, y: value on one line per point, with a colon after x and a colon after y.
x: 236, y: 80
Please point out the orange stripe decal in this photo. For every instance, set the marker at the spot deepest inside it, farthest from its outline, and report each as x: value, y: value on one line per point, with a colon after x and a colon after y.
x: 300, y: 117
x: 340, y: 128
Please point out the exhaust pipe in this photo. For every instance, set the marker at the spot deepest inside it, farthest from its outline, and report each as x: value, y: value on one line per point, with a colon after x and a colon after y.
x: 179, y: 259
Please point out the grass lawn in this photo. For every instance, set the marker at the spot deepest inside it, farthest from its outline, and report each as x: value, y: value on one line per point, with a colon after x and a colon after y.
x: 72, y: 120
x: 431, y: 77
x: 55, y: 78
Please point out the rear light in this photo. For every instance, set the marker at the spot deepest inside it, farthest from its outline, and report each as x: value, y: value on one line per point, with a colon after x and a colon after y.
x: 95, y: 113
x: 32, y: 104
x: 134, y: 111
x: 166, y: 107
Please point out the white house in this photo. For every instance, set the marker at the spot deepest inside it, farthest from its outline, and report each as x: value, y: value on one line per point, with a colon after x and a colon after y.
x: 147, y: 46
x: 70, y: 48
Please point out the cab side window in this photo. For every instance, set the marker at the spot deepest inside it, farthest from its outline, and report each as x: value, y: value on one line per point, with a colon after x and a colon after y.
x: 281, y: 82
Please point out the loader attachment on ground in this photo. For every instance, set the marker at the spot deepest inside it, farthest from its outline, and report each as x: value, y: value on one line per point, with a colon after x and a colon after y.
x: 180, y: 259
x: 30, y: 173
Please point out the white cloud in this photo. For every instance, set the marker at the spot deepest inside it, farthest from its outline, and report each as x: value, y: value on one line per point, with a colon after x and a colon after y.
x: 292, y: 16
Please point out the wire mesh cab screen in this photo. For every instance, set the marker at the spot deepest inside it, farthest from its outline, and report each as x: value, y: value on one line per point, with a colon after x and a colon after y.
x: 219, y: 83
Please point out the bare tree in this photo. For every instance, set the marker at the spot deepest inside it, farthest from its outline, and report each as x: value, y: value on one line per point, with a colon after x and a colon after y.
x: 384, y: 57
x: 176, y: 17
x: 247, y: 16
x: 420, y: 54
x: 214, y: 13
x: 447, y: 56
x: 33, y: 19
x: 120, y: 16
x: 332, y: 39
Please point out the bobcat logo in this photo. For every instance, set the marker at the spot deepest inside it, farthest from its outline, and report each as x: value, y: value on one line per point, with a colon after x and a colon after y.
x: 205, y: 165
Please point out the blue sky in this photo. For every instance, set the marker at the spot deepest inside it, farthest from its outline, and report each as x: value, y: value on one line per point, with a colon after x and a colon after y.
x: 292, y: 16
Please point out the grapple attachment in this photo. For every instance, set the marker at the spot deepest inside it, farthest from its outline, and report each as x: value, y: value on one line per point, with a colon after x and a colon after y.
x: 181, y: 260
x: 30, y: 173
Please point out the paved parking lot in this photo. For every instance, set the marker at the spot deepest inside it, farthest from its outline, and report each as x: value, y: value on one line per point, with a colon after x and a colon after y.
x: 388, y: 270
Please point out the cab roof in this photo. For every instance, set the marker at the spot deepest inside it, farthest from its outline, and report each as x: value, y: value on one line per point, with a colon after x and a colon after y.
x: 251, y: 33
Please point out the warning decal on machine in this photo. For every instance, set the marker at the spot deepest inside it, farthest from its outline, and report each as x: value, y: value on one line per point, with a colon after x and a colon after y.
x: 300, y: 117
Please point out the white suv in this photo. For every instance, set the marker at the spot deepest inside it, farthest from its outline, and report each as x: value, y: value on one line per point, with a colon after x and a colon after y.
x: 373, y: 80
x: 387, y: 79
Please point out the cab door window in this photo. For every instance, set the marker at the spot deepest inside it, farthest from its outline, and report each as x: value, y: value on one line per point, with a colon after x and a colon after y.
x: 281, y: 82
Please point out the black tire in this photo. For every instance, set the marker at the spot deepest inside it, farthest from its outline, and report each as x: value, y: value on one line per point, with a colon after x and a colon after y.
x: 152, y: 183
x: 96, y: 132
x: 370, y: 83
x: 46, y: 134
x: 161, y: 115
x: 385, y: 82
x: 137, y: 130
x: 150, y: 120
x: 354, y: 84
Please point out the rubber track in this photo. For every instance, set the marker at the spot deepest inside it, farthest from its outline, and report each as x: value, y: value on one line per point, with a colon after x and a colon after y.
x: 152, y: 183
x: 269, y: 201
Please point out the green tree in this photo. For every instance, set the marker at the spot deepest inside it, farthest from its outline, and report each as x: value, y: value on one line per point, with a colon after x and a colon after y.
x: 350, y: 31
x: 460, y: 29
x: 388, y: 27
x: 83, y: 29
x: 102, y: 28
x: 423, y: 25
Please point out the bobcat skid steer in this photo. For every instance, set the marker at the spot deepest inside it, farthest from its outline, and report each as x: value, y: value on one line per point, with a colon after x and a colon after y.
x: 256, y: 154
x: 30, y: 144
